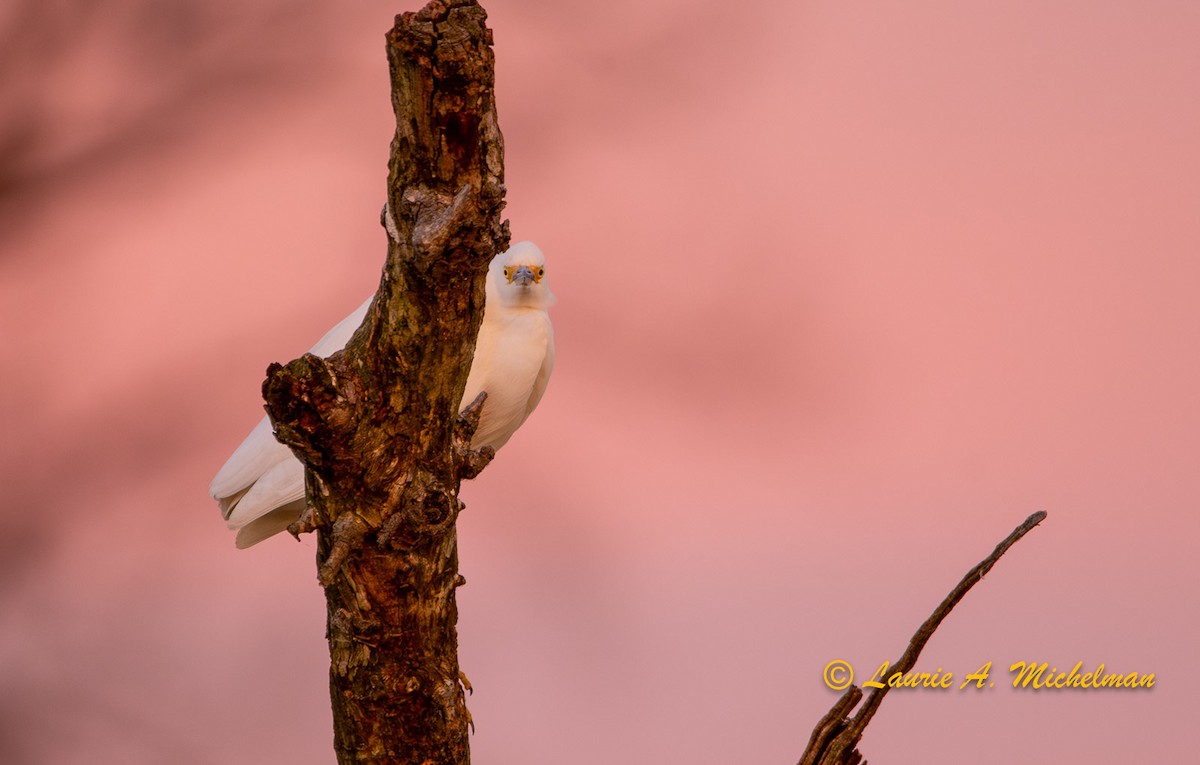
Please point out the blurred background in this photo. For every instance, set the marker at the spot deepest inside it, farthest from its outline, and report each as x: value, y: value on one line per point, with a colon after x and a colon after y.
x: 846, y: 291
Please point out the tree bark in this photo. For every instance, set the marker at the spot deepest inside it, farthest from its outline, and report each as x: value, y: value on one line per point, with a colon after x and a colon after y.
x: 377, y: 425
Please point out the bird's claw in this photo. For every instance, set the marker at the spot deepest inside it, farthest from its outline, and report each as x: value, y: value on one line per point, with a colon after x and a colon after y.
x: 306, y: 523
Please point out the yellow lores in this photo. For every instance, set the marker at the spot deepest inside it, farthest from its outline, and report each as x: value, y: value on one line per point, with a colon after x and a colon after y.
x: 261, y: 487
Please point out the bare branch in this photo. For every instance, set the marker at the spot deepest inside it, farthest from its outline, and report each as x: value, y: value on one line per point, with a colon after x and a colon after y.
x: 836, y: 737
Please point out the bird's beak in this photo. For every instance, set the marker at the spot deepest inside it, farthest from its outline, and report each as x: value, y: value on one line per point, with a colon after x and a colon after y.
x: 523, y: 276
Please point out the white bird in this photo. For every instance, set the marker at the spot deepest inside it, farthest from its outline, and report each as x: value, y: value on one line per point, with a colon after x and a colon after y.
x: 261, y: 487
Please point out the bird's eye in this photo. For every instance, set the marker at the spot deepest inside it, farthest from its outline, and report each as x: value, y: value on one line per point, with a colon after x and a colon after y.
x: 507, y: 272
x: 541, y: 272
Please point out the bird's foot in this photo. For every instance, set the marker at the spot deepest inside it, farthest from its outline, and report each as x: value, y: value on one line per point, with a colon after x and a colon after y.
x: 466, y: 684
x: 348, y: 533
x: 306, y: 523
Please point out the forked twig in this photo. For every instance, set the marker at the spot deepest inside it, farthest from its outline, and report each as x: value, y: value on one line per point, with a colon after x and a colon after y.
x: 834, y: 739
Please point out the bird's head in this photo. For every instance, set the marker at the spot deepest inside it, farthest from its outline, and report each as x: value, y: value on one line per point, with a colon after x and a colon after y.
x: 517, y: 277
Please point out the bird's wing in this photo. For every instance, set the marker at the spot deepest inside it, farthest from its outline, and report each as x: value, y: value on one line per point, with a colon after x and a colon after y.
x: 259, y: 453
x: 281, y: 485
x: 543, y: 375
x: 262, y: 474
x: 270, y: 524
x: 513, y: 360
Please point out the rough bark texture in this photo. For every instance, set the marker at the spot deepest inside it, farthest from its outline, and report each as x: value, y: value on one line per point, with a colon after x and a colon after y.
x: 377, y: 425
x: 835, y: 739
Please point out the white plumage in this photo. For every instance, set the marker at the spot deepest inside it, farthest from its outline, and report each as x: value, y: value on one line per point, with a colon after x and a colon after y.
x: 261, y: 487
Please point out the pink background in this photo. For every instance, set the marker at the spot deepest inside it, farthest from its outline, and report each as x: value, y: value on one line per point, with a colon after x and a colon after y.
x: 846, y: 290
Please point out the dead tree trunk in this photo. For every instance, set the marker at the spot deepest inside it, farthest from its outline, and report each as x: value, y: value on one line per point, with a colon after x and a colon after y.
x: 377, y: 425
